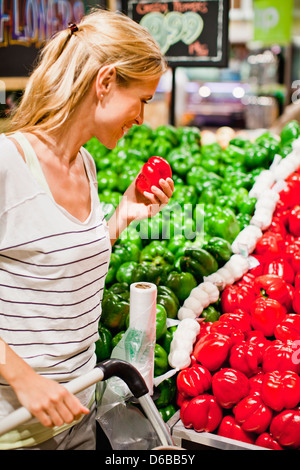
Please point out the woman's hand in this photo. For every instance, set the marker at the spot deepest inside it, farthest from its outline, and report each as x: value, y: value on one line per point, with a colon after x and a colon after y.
x: 137, y: 206
x: 51, y: 403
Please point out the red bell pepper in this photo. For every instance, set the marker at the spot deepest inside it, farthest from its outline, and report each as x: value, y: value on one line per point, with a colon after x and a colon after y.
x: 212, y: 350
x: 257, y: 338
x: 267, y: 441
x: 282, y: 268
x: 237, y: 297
x: 227, y: 329
x: 245, y: 357
x: 270, y: 245
x: 202, y: 413
x: 266, y: 314
x: 193, y: 381
x: 296, y: 300
x: 274, y: 287
x: 239, y: 319
x: 255, y: 383
x: 277, y: 225
x: 289, y: 328
x: 280, y: 356
x: 258, y: 269
x: 229, y: 387
x: 285, y: 428
x: 281, y: 390
x: 252, y: 414
x: 153, y: 170
x: 294, y: 221
x: 231, y: 429
x: 297, y: 280
x: 289, y: 195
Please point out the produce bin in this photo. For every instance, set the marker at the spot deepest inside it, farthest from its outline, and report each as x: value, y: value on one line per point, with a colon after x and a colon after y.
x: 192, y: 440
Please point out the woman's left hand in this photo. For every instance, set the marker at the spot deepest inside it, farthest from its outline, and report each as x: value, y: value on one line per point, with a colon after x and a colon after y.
x: 139, y: 206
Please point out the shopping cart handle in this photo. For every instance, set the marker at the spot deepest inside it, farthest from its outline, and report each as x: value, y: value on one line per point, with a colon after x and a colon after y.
x: 128, y: 373
x: 103, y: 371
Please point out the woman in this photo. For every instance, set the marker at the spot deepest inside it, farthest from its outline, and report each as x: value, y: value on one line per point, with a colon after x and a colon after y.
x: 93, y: 79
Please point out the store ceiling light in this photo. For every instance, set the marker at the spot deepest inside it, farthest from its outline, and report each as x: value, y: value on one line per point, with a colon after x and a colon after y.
x: 204, y: 91
x: 238, y: 92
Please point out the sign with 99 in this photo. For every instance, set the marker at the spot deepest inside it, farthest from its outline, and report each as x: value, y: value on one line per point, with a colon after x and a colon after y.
x: 188, y: 32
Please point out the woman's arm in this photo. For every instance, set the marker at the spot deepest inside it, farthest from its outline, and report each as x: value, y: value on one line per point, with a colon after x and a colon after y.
x: 135, y: 206
x: 51, y: 403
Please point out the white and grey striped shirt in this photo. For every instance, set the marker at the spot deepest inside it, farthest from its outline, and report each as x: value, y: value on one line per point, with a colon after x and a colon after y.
x: 52, y: 273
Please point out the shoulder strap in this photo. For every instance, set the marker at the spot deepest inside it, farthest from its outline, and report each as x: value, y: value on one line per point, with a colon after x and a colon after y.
x: 32, y: 161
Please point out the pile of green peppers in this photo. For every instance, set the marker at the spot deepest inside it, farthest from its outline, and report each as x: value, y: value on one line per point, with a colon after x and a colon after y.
x: 191, y: 237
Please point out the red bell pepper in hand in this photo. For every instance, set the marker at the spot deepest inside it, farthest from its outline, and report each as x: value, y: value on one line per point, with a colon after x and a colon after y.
x: 285, y: 428
x: 212, y: 350
x: 270, y: 246
x: 237, y: 297
x: 153, y: 170
x: 274, y: 287
x: 245, y: 357
x: 266, y: 314
x: 280, y: 356
x: 289, y: 328
x: 193, y: 381
x: 282, y: 268
x: 267, y: 441
x: 294, y: 221
x: 252, y: 414
x: 231, y: 429
x: 281, y: 390
x: 202, y: 413
x: 229, y: 387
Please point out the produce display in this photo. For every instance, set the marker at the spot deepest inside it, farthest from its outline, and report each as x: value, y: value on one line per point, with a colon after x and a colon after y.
x: 225, y: 255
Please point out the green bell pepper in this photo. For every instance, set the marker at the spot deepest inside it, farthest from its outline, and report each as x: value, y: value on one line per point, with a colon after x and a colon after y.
x: 219, y: 248
x: 161, y: 321
x: 161, y: 364
x: 151, y: 228
x: 104, y: 344
x: 181, y: 283
x: 107, y: 179
x: 255, y: 156
x: 120, y: 288
x: 124, y: 272
x: 146, y: 271
x: 167, y: 298
x: 224, y: 224
x: 198, y: 262
x: 117, y: 338
x: 167, y: 338
x: 167, y: 392
x: 167, y: 412
x: 157, y: 254
x: 290, y: 132
x: 114, y: 310
x: 210, y: 314
x: 181, y: 162
x: 127, y: 252
x: 114, y: 264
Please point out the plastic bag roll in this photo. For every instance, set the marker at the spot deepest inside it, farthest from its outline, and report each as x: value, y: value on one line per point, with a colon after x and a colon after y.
x: 142, y: 312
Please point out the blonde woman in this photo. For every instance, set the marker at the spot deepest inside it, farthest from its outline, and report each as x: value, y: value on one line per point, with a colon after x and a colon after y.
x: 93, y: 79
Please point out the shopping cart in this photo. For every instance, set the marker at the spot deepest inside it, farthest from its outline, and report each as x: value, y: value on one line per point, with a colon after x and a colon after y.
x: 103, y: 371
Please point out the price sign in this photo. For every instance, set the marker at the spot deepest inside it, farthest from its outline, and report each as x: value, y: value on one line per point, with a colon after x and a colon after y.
x: 188, y: 32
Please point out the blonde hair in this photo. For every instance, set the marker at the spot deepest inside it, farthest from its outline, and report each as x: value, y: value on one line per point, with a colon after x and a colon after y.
x: 69, y: 63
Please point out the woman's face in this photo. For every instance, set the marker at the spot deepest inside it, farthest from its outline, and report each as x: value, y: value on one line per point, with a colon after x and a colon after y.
x: 120, y: 108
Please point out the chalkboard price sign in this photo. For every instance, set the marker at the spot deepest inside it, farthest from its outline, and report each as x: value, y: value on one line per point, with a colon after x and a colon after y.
x: 188, y: 32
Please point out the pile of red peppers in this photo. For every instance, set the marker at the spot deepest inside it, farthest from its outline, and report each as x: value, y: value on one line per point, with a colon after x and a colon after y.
x: 243, y: 382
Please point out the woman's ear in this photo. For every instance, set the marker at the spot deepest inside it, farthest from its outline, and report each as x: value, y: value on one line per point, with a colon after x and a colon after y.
x: 106, y: 78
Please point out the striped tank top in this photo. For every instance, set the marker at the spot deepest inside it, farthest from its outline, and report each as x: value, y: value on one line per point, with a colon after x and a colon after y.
x: 52, y: 272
